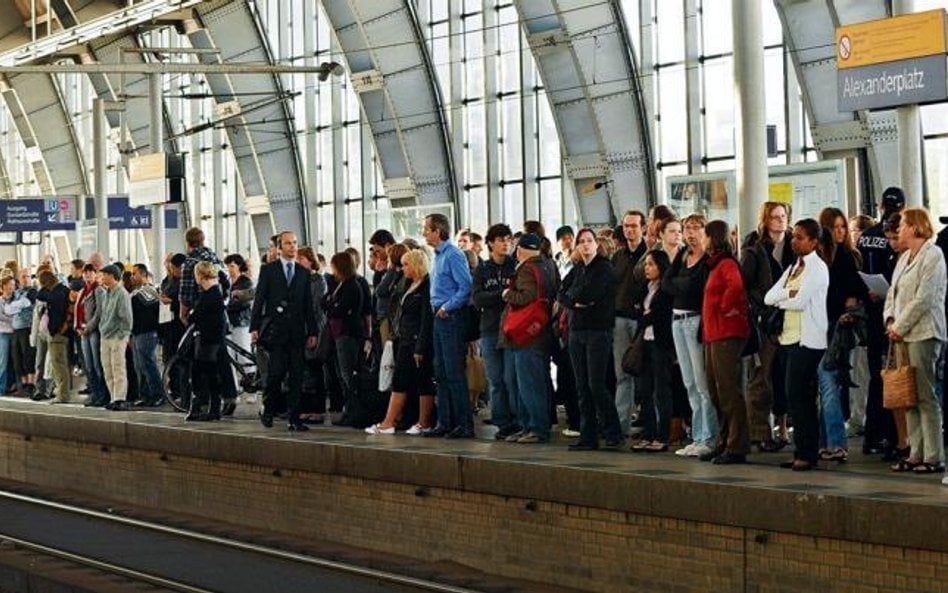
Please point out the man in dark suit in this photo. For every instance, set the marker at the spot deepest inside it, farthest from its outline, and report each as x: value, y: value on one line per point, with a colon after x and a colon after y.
x: 283, y: 321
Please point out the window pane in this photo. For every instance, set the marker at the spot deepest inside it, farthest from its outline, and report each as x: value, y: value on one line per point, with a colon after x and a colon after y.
x: 775, y: 92
x: 936, y: 165
x: 719, y: 107
x: 549, y: 153
x: 671, y: 31
x: 717, y: 32
x: 513, y: 143
x: 551, y: 203
x: 513, y: 204
x: 673, y: 130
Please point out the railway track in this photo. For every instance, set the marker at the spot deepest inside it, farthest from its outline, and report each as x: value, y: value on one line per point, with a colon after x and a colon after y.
x: 174, y: 559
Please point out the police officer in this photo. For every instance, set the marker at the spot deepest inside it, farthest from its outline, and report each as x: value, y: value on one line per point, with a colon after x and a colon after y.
x: 878, y: 257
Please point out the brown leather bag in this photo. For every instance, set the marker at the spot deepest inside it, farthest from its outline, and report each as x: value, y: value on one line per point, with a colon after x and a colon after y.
x: 899, y: 389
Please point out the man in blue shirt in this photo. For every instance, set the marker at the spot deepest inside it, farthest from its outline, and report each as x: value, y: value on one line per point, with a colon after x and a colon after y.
x: 450, y: 296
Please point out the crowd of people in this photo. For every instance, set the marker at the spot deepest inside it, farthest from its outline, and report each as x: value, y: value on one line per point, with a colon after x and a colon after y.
x: 663, y: 332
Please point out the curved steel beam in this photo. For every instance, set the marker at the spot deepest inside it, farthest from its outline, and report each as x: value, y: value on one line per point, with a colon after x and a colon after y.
x: 393, y: 75
x: 584, y: 57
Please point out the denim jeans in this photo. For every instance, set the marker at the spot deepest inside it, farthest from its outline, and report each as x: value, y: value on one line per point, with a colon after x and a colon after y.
x: 622, y: 335
x: 454, y: 408
x: 690, y: 353
x: 589, y: 351
x: 497, y: 362
x: 832, y: 423
x: 6, y: 340
x: 531, y: 369
x: 92, y: 359
x: 145, y: 357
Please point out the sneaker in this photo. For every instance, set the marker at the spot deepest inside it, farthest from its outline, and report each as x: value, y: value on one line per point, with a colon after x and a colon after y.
x: 945, y: 481
x: 415, y: 430
x: 570, y: 433
x: 686, y: 451
x: 513, y: 438
x: 531, y: 438
x: 700, y: 450
x: 376, y: 429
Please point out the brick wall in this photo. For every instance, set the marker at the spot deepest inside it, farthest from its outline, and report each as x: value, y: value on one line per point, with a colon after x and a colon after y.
x: 568, y: 545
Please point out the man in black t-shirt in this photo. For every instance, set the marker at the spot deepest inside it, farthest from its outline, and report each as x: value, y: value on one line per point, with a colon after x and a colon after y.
x: 878, y: 257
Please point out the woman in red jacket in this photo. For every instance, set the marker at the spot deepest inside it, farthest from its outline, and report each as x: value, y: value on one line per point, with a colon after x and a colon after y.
x: 724, y: 315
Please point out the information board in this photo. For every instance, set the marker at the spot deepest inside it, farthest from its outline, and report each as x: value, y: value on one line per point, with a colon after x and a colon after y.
x: 809, y: 187
x: 51, y: 213
x: 122, y: 216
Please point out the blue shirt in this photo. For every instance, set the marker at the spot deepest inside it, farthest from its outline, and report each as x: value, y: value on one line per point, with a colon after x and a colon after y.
x: 450, y: 278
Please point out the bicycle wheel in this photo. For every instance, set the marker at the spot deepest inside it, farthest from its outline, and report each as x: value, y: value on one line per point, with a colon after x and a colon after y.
x: 244, y: 362
x: 176, y: 380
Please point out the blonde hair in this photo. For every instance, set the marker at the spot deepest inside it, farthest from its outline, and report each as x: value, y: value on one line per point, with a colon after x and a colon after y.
x: 918, y: 219
x: 417, y: 261
x: 205, y: 270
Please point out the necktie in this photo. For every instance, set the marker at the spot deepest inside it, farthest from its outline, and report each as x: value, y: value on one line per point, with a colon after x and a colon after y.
x: 289, y: 273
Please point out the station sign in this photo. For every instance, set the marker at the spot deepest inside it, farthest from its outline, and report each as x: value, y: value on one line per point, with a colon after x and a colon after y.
x: 902, y: 37
x: 51, y: 213
x: 906, y: 82
x: 122, y: 216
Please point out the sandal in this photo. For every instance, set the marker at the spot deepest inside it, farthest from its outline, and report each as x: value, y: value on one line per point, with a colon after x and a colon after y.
x: 838, y: 455
x: 928, y: 468
x: 904, y: 465
x: 656, y: 447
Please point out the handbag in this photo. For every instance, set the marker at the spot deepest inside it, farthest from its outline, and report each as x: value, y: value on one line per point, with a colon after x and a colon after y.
x: 899, y: 389
x: 523, y: 325
x: 387, y: 366
x: 771, y: 320
x: 476, y: 374
x: 633, y: 361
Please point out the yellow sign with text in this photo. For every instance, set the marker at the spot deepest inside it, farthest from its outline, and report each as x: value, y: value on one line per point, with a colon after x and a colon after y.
x: 781, y: 192
x: 902, y: 37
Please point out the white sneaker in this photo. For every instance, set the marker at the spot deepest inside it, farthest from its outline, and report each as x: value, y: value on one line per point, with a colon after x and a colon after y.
x: 699, y: 450
x: 415, y: 430
x: 375, y: 429
x: 945, y: 480
x: 570, y: 433
x: 686, y: 451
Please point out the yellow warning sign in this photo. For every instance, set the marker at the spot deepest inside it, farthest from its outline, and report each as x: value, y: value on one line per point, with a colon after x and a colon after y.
x: 888, y: 40
x: 781, y: 192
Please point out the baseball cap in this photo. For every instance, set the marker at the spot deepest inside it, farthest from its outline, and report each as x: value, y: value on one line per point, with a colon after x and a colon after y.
x: 893, y: 198
x: 529, y: 241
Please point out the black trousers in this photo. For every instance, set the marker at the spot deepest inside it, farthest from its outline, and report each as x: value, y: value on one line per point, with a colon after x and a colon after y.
x: 880, y: 424
x: 286, y: 362
x: 802, y: 390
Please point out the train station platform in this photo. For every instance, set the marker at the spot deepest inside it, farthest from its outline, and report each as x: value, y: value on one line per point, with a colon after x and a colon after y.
x: 596, y: 521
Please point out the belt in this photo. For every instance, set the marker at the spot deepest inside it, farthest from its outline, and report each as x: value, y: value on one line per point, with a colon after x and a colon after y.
x: 680, y: 316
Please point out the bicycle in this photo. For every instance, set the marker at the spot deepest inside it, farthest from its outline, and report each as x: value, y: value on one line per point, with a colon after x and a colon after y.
x: 176, y: 376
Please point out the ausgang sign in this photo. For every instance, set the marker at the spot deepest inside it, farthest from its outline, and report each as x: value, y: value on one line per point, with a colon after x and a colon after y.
x: 892, y: 62
x: 902, y: 37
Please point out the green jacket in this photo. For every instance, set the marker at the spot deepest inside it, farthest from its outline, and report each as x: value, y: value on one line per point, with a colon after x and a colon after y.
x: 115, y: 319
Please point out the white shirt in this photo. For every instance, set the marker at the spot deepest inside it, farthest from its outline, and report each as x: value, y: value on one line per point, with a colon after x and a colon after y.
x: 810, y: 300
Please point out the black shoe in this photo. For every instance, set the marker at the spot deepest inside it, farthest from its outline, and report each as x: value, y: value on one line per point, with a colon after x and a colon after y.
x: 503, y: 433
x: 729, y: 459
x: 94, y: 404
x: 615, y: 444
x: 583, y: 447
x: 118, y: 406
x: 436, y: 432
x: 196, y: 416
x: 266, y: 419
x: 460, y: 433
x: 228, y: 408
x: 297, y: 426
x: 40, y: 396
x: 85, y: 391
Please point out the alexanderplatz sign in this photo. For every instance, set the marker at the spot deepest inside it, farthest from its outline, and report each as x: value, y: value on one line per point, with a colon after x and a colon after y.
x: 891, y: 62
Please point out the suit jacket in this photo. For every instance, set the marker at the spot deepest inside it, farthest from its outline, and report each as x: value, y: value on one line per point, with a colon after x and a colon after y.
x: 297, y: 321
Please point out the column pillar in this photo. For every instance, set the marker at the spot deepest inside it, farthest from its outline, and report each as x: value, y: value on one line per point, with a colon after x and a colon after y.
x: 99, y: 166
x: 156, y: 131
x: 910, y: 136
x: 750, y: 113
x: 693, y: 86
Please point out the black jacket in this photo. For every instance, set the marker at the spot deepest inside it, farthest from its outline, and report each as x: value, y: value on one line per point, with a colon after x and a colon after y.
x: 660, y: 318
x: 624, y: 262
x: 489, y: 282
x: 684, y: 284
x: 208, y: 315
x: 759, y: 269
x: 288, y: 306
x: 414, y: 321
x: 240, y: 303
x: 844, y: 282
x: 591, y: 294
x: 346, y: 304
x: 57, y: 308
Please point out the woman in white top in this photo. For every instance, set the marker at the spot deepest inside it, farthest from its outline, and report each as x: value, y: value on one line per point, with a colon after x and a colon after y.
x: 915, y: 315
x: 801, y: 293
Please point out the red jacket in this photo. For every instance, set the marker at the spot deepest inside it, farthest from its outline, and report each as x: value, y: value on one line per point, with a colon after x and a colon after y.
x: 724, y: 312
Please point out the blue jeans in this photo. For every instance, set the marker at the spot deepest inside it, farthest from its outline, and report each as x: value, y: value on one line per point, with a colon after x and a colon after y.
x: 6, y: 341
x: 832, y: 423
x: 499, y: 362
x: 690, y: 353
x: 454, y: 408
x: 531, y: 369
x: 622, y: 335
x: 92, y: 362
x: 145, y: 358
x: 589, y: 352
